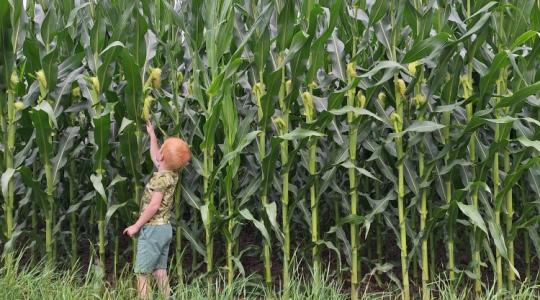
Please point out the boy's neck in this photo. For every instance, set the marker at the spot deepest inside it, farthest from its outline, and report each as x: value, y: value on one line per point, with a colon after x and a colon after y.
x: 164, y: 169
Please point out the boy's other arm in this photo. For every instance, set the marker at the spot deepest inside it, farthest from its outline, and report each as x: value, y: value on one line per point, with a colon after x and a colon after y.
x: 146, y: 215
x: 154, y: 147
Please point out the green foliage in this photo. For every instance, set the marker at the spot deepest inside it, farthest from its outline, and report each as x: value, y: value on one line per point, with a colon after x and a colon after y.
x: 417, y: 118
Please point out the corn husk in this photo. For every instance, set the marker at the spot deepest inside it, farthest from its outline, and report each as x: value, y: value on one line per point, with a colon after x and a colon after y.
x: 412, y: 67
x: 76, y: 92
x: 94, y: 81
x: 180, y: 77
x: 309, y: 112
x: 397, y: 122
x: 14, y: 79
x: 155, y: 78
x: 147, y: 106
x: 402, y: 88
x: 259, y: 90
x: 18, y: 105
x: 280, y: 125
x: 467, y: 85
x: 420, y: 100
x: 361, y: 99
x: 382, y: 99
x: 40, y: 76
x: 288, y: 86
x: 351, y: 71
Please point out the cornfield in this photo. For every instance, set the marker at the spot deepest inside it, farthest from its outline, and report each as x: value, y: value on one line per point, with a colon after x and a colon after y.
x: 385, y: 139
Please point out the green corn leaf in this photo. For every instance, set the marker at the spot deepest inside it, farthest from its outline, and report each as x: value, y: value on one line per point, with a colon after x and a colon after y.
x: 258, y: 224
x: 101, y: 139
x: 112, y: 210
x: 423, y: 48
x: 498, y: 238
x: 476, y: 27
x: 271, y: 214
x: 65, y: 145
x: 129, y: 148
x: 191, y: 198
x: 502, y: 120
x: 424, y: 126
x: 192, y: 238
x: 391, y: 66
x: 133, y: 89
x: 49, y: 27
x: 298, y: 41
x: 5, y: 179
x: 524, y: 37
x: 474, y: 215
x: 357, y: 111
x: 41, y: 122
x: 30, y: 182
x: 349, y: 165
x: 286, y: 19
x: 351, y: 219
x: 499, y: 61
x: 519, y: 96
x: 300, y: 133
x: 528, y: 143
x: 378, y: 11
x: 205, y: 214
x: 98, y: 185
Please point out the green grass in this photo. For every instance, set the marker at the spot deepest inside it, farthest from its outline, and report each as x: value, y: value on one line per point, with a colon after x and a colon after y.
x: 445, y: 291
x: 43, y: 282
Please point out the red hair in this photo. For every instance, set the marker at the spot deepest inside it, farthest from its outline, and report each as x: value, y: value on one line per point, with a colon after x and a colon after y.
x: 176, y: 153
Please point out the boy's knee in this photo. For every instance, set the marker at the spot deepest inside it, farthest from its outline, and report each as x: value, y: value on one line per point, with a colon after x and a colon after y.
x: 141, y: 277
x: 160, y: 273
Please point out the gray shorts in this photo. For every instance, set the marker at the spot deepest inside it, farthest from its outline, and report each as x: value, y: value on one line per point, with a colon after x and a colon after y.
x: 153, y: 248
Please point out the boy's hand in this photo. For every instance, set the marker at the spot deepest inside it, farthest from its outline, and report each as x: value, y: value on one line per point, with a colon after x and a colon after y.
x: 132, y: 230
x: 150, y: 129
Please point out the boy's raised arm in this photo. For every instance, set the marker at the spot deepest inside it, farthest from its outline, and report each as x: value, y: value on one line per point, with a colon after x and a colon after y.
x: 154, y: 147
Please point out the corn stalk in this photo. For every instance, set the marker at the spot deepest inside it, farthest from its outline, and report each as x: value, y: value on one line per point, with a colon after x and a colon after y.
x: 72, y: 187
x: 420, y: 101
x: 9, y: 155
x: 397, y: 122
x: 397, y: 119
x: 259, y: 91
x: 12, y: 29
x: 44, y: 134
x: 501, y: 84
x: 467, y: 85
x: 230, y: 124
x: 228, y: 54
x: 309, y: 112
x: 282, y: 125
x: 178, y: 207
x: 353, y: 137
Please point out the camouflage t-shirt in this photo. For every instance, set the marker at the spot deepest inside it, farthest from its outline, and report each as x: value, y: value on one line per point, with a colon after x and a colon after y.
x: 164, y: 182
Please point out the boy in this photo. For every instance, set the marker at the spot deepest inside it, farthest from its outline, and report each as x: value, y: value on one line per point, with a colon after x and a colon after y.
x: 156, y: 203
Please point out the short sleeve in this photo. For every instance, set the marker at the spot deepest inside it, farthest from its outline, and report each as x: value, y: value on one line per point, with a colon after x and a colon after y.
x: 158, y: 183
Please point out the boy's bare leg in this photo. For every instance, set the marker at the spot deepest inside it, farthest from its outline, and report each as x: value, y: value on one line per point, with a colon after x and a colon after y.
x: 142, y: 286
x: 163, y: 281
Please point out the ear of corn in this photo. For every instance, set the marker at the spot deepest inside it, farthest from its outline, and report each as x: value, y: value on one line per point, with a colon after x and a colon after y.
x: 323, y: 112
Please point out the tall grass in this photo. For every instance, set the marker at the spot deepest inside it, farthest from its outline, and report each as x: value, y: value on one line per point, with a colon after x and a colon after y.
x: 41, y: 281
x: 445, y: 289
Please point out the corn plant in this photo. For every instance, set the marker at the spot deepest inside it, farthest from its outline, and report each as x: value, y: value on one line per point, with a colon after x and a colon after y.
x: 390, y: 137
x: 13, y: 30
